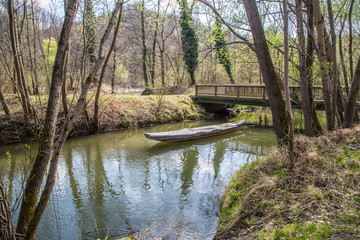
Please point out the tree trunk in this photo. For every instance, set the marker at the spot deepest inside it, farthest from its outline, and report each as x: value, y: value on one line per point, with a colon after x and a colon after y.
x: 113, y: 72
x: 353, y: 94
x: 18, y: 62
x: 3, y: 101
x: 270, y: 78
x: 69, y: 123
x: 42, y: 158
x: 37, y: 91
x: 306, y: 104
x: 287, y: 90
x: 64, y: 86
x: 143, y: 40
x: 153, y: 59
x: 346, y: 83
x: 309, y: 62
x: 98, y: 90
x: 351, y: 39
x: 6, y: 225
x: 162, y: 64
x: 330, y: 116
x: 335, y: 75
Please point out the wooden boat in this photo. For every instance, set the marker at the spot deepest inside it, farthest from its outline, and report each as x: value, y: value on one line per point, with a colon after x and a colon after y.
x: 188, y: 134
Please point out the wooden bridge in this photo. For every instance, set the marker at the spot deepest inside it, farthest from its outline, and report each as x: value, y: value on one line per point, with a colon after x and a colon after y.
x: 216, y: 96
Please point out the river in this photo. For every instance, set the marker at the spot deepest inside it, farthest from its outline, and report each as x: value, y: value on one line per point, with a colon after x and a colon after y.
x: 117, y: 183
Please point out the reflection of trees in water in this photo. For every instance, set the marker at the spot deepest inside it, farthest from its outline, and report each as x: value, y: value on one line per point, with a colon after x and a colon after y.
x: 11, y: 177
x: 74, y: 185
x: 147, y: 173
x: 14, y: 169
x: 189, y: 159
x: 96, y: 184
x: 218, y: 157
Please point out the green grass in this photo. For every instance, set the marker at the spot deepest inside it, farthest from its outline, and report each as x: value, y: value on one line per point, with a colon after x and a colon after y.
x: 297, y: 231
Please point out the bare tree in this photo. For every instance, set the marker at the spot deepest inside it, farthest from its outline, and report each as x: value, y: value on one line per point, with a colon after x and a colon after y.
x: 286, y: 86
x: 353, y: 94
x: 102, y: 74
x: 143, y: 41
x: 19, y: 69
x: 35, y: 180
x: 272, y: 84
x: 321, y: 39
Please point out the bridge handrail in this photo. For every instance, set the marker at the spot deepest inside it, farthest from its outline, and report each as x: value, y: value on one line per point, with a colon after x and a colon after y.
x: 247, y: 90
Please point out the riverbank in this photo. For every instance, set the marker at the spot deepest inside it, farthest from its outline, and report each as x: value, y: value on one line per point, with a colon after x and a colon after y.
x: 116, y: 112
x: 319, y: 199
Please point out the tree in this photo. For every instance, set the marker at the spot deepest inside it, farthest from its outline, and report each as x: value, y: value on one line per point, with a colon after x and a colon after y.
x: 32, y: 209
x: 90, y: 31
x: 286, y: 86
x: 35, y: 180
x: 153, y: 55
x: 189, y: 40
x: 6, y: 225
x: 306, y: 59
x: 18, y: 63
x: 325, y: 78
x: 143, y: 41
x: 353, y: 94
x: 3, y: 101
x: 102, y: 74
x: 162, y: 45
x: 222, y: 49
x: 271, y: 80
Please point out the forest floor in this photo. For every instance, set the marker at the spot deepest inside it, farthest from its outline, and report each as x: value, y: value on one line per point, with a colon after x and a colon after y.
x: 318, y: 199
x: 116, y: 112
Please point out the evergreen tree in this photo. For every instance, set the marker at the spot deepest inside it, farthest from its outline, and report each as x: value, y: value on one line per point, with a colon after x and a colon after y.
x: 189, y: 40
x: 222, y: 50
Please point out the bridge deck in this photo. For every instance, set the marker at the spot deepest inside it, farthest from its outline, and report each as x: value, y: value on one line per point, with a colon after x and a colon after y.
x: 245, y: 94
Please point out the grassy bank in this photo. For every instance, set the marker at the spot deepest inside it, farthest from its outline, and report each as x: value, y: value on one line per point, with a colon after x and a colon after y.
x: 116, y: 112
x: 318, y: 199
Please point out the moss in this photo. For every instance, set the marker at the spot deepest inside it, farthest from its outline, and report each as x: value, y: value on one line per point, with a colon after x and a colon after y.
x: 308, y: 230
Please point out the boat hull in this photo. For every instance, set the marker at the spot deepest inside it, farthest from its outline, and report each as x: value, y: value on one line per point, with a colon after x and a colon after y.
x: 194, y: 133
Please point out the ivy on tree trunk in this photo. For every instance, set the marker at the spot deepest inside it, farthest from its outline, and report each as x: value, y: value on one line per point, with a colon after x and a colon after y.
x: 189, y: 40
x: 222, y: 50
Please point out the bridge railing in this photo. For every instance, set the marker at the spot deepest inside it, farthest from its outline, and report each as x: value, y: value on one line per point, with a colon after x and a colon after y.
x: 231, y: 90
x: 256, y: 91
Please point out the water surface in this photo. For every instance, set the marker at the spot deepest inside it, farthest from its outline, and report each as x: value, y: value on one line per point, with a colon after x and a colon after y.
x: 117, y: 183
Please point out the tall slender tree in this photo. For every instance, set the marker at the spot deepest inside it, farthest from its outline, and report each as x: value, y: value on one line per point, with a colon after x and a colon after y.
x: 271, y: 80
x: 189, y: 40
x: 18, y: 62
x: 286, y: 86
x: 34, y: 219
x: 143, y: 41
x: 155, y: 40
x: 323, y: 58
x: 90, y: 31
x: 353, y: 94
x: 35, y: 180
x: 102, y: 74
x: 312, y: 124
x: 222, y: 49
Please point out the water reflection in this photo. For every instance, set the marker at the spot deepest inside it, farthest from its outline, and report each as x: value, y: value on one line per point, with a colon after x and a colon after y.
x: 123, y: 181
